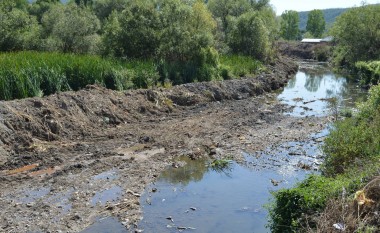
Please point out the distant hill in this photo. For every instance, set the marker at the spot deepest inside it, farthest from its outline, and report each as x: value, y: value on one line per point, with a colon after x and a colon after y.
x: 330, y: 16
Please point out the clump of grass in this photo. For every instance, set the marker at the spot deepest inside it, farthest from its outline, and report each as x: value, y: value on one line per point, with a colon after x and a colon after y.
x: 233, y: 66
x: 221, y: 165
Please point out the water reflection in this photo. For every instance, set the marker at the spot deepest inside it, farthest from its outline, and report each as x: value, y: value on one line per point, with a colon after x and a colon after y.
x: 192, y: 172
x: 210, y: 200
x: 308, y: 91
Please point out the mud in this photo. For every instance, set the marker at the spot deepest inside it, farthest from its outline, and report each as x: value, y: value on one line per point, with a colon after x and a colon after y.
x: 298, y: 50
x: 68, y: 159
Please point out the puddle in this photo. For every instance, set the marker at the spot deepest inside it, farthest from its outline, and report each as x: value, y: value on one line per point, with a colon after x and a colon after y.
x: 106, y: 225
x: 107, y: 175
x: 312, y: 87
x: 198, y: 197
x: 61, y: 200
x: 111, y: 194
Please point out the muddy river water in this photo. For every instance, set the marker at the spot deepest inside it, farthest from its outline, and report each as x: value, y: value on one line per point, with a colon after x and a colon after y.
x: 197, y: 197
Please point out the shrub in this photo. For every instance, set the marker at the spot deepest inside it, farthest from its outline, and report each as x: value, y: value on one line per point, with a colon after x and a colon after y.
x: 291, y: 206
x: 322, y: 52
x: 369, y: 72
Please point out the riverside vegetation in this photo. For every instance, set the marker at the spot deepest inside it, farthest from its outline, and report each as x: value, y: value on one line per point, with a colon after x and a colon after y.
x: 129, y: 44
x: 345, y: 196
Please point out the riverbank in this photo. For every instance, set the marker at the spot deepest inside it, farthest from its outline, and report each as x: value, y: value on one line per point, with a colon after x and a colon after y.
x: 53, y: 148
x: 345, y: 197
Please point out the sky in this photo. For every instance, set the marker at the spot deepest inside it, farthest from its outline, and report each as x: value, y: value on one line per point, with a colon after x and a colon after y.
x: 307, y: 5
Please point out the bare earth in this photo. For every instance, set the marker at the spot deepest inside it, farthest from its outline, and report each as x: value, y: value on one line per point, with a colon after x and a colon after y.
x: 53, y: 148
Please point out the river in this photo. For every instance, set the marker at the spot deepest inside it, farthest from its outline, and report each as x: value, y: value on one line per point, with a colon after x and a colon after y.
x: 200, y: 198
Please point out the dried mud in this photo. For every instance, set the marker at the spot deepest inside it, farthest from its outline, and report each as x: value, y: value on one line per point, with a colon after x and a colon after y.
x: 70, y: 158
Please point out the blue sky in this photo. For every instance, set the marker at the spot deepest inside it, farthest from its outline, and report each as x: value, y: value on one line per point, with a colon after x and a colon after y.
x: 306, y: 5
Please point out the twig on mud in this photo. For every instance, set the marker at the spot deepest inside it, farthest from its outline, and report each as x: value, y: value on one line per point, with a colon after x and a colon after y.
x: 133, y: 193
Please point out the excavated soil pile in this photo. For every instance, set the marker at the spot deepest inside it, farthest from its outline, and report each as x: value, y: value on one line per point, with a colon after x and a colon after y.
x: 63, y: 156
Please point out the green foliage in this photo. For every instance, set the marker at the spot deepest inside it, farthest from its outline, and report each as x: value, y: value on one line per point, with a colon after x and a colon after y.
x: 104, y: 8
x: 355, y: 139
x: 289, y: 25
x: 316, y: 23
x: 322, y: 52
x: 28, y: 74
x: 134, y: 32
x: 250, y: 37
x: 357, y: 35
x: 309, y: 196
x: 368, y: 72
x: 70, y: 28
x: 233, y: 66
x: 225, y: 9
x: 40, y: 7
x: 18, y: 30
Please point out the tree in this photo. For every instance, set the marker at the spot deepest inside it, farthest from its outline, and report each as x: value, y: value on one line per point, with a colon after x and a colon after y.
x: 40, y: 7
x: 316, y: 23
x: 249, y: 36
x: 71, y: 28
x: 134, y: 32
x: 357, y: 35
x: 18, y: 30
x: 104, y: 8
x: 289, y: 25
x: 224, y: 9
x: 186, y: 41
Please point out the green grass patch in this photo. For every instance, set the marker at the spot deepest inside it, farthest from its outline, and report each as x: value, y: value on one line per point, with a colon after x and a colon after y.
x: 234, y: 66
x: 29, y: 74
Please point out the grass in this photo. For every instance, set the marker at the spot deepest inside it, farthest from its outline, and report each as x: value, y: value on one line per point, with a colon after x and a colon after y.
x: 234, y: 66
x: 28, y: 74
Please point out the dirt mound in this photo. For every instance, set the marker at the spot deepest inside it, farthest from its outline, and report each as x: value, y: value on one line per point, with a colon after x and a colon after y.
x: 90, y: 113
x: 297, y: 50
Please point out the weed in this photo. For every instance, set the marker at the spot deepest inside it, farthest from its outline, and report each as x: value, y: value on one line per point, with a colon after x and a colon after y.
x: 233, y: 66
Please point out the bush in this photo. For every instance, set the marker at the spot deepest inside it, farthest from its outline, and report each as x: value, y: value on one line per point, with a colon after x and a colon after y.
x: 322, y: 52
x: 291, y: 206
x: 369, y: 72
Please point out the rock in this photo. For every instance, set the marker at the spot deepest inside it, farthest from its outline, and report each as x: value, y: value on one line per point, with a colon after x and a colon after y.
x: 274, y: 182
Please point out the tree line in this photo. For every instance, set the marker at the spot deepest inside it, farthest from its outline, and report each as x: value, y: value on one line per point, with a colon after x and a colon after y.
x: 183, y: 37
